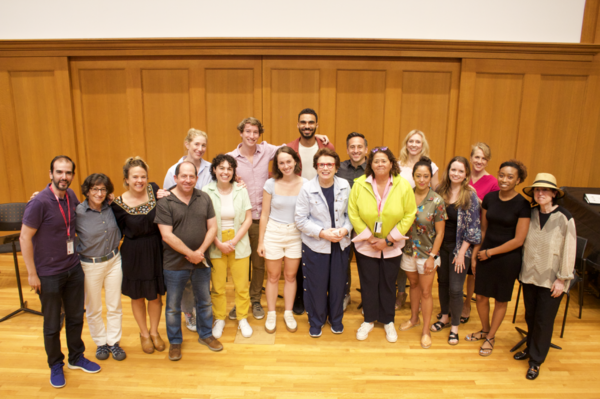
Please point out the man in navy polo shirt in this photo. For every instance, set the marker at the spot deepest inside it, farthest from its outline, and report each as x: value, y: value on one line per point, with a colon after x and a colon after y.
x: 55, y: 273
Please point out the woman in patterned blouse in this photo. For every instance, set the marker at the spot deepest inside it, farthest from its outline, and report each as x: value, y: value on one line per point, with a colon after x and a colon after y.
x: 422, y: 248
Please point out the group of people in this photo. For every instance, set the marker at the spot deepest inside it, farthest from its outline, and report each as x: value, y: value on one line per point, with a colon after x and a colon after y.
x: 310, y: 216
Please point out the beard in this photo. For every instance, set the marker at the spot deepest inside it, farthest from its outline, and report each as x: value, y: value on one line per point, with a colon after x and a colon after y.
x: 308, y: 134
x: 56, y: 183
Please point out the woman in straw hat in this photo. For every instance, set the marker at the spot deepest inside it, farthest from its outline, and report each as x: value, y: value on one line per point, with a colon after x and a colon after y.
x: 548, y: 262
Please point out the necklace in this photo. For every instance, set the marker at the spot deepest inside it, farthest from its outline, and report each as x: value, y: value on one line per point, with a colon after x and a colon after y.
x: 225, y: 193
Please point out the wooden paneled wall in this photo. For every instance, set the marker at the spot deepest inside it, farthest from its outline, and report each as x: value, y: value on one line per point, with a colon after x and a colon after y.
x: 101, y: 110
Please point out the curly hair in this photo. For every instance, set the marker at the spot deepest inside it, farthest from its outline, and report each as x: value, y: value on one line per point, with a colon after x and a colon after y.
x: 519, y: 166
x: 277, y: 174
x: 395, y: 171
x: 253, y: 122
x: 218, y: 160
x: 95, y: 179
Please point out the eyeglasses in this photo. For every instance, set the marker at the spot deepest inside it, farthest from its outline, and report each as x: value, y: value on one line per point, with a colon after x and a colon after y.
x: 98, y: 190
x: 379, y: 149
x: 325, y: 165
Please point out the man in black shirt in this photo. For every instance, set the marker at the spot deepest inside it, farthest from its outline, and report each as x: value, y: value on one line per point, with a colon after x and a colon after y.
x: 357, y: 149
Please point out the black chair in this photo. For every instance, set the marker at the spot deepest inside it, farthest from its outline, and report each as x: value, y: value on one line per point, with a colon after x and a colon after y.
x: 11, y: 219
x: 583, y: 267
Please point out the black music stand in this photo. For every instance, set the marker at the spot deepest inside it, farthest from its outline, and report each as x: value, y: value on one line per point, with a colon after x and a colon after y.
x: 11, y: 216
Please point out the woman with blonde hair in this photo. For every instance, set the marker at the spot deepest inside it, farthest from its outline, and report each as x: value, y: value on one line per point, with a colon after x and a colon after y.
x: 461, y: 232
x: 414, y: 146
x: 195, y: 142
x: 141, y: 252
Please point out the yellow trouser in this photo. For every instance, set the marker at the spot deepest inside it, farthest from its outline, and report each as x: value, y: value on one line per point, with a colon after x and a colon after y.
x: 239, y: 272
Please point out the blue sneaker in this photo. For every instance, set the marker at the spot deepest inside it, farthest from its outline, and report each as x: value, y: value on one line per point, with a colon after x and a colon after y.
x: 85, y: 365
x: 57, y: 376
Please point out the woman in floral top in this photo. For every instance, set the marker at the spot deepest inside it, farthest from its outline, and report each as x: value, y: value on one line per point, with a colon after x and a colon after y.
x: 462, y: 231
x: 422, y: 248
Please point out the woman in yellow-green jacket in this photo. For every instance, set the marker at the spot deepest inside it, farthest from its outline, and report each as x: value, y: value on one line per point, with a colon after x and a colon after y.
x: 382, y: 209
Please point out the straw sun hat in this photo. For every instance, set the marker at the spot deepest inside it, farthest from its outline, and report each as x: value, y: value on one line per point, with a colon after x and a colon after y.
x: 544, y: 180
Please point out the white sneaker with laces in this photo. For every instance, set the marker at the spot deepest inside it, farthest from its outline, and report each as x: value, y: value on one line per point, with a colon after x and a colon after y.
x: 271, y: 322
x: 245, y: 328
x: 218, y: 327
x: 290, y: 321
x: 364, y: 330
x: 390, y: 332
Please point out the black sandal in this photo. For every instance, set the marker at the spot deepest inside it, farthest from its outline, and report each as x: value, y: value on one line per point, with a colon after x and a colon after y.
x: 453, y: 337
x: 471, y: 337
x: 464, y: 320
x: 487, y: 351
x: 439, y: 326
x: 439, y: 316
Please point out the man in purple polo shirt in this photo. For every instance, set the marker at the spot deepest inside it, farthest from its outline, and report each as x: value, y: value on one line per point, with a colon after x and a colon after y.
x: 253, y: 168
x: 55, y: 273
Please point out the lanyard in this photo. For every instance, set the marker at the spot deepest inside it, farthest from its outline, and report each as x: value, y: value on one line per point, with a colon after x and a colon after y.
x: 67, y: 224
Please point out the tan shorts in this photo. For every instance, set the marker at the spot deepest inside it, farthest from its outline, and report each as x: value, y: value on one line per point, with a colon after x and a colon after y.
x: 411, y: 264
x: 282, y: 240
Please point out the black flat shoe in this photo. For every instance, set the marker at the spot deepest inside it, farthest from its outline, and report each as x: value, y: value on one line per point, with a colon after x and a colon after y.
x: 298, y: 308
x: 532, y: 373
x: 521, y: 355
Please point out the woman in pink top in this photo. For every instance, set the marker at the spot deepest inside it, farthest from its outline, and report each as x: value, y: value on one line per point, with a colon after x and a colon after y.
x: 483, y: 183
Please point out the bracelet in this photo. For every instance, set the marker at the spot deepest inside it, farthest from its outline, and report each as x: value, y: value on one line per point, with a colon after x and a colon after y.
x: 486, y: 254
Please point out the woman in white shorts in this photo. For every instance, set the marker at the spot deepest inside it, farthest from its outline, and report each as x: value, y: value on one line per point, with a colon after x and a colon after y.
x: 279, y: 239
x: 421, y: 250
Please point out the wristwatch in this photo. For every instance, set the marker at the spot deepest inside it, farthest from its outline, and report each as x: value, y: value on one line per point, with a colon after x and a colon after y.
x: 435, y: 257
x: 389, y: 243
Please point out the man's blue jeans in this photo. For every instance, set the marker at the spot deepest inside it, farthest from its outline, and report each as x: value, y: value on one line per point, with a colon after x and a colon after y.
x: 175, y: 280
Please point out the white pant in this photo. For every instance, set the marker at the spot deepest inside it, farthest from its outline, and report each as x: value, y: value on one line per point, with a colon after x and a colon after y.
x: 110, y: 275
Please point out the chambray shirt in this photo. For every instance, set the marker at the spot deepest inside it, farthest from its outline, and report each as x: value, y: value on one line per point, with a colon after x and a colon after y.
x: 312, y: 214
x: 97, y: 232
x: 349, y: 172
x: 204, y: 176
x: 255, y: 174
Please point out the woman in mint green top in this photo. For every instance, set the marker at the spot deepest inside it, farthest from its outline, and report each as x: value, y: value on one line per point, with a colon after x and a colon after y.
x: 231, y: 247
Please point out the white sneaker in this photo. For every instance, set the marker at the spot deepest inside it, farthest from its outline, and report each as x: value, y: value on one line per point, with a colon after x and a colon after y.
x: 271, y: 323
x: 218, y: 327
x: 346, y: 302
x: 390, y: 332
x: 290, y: 322
x: 245, y: 328
x: 190, y: 320
x: 364, y: 330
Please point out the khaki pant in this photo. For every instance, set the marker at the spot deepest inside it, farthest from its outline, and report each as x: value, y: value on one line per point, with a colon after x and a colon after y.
x: 258, y: 265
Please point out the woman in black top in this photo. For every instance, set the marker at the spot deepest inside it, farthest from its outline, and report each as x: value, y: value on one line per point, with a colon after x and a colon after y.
x: 141, y: 251
x: 504, y: 224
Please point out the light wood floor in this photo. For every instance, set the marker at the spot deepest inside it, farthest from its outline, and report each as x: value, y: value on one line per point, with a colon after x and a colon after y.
x: 298, y: 366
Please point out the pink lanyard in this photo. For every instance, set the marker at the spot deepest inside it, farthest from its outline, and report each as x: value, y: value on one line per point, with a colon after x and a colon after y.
x: 67, y: 224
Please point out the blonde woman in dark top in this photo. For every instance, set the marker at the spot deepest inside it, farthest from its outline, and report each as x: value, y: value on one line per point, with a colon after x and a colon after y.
x: 548, y: 263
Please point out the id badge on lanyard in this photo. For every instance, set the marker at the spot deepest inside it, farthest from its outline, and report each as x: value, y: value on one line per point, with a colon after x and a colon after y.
x: 70, y: 241
x: 378, y: 225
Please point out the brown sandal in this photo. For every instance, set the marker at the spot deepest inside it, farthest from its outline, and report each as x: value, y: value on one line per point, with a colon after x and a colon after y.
x: 159, y: 344
x: 147, y: 345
